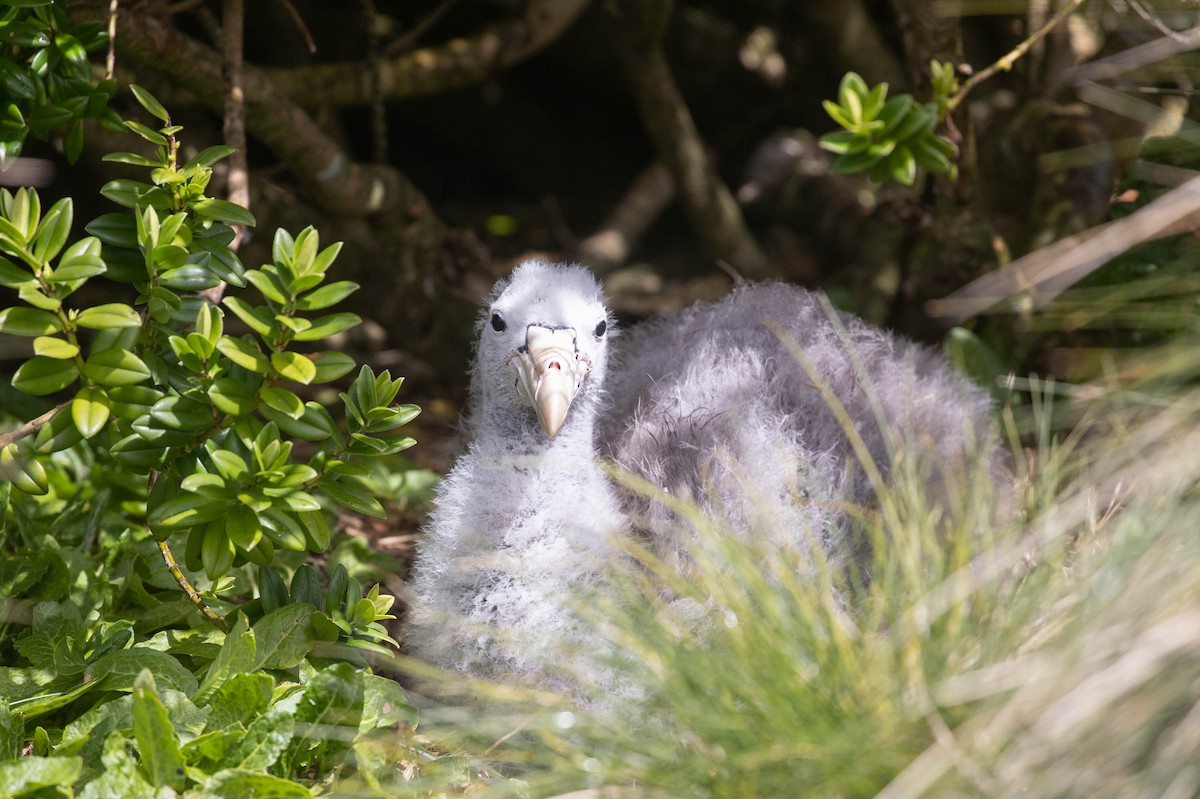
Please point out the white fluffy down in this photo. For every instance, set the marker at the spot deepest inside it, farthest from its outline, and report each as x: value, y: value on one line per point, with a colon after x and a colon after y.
x: 708, y: 405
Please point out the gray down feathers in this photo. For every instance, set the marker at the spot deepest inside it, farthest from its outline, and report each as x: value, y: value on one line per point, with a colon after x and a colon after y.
x: 708, y: 405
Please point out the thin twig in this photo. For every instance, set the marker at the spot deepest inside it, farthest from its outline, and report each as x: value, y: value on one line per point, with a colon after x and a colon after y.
x: 32, y: 426
x: 300, y: 26
x: 1005, y: 62
x: 186, y: 585
x: 404, y: 43
x: 712, y: 212
x: 1154, y: 19
x: 378, y: 109
x: 110, y: 61
x: 232, y: 35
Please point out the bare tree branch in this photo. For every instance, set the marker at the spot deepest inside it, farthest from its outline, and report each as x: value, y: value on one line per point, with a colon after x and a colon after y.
x: 459, y: 62
x: 631, y: 217
x: 232, y: 27
x: 30, y: 427
x: 341, y: 186
x: 711, y: 209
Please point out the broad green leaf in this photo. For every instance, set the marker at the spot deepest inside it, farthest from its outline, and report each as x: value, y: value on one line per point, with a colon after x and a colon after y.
x: 293, y: 366
x: 232, y: 397
x: 52, y: 233
x: 134, y: 194
x: 311, y: 426
x: 121, y: 776
x: 243, y: 695
x: 257, y: 319
x: 244, y: 353
x: 329, y: 325
x: 119, y: 230
x: 236, y: 657
x: 22, y: 471
x: 283, y: 401
x: 306, y: 586
x: 130, y: 402
x: 90, y: 410
x: 57, y: 434
x: 207, y: 485
x: 230, y: 464
x: 332, y: 365
x: 156, y: 739
x: 109, y: 315
x: 149, y: 134
x: 353, y: 497
x: 117, y: 670
x: 216, y: 551
x: 247, y: 784
x: 210, y: 155
x: 40, y: 376
x: 223, y: 211
x: 242, y: 527
x: 28, y: 774
x: 327, y: 295
x: 130, y: 158
x: 147, y: 101
x: 79, y: 267
x: 282, y: 637
x: 13, y: 276
x: 20, y: 321
x: 115, y: 367
x: 185, y: 510
x: 265, y: 740
x: 316, y: 530
x: 267, y: 285
x: 385, y: 705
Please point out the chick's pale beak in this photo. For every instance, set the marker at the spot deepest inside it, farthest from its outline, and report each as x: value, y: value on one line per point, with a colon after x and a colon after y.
x: 549, y: 371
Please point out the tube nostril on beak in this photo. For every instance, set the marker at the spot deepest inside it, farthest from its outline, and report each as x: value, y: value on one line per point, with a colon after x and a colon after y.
x: 554, y: 365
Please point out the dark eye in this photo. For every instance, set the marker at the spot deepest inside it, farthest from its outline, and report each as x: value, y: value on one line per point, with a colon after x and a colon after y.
x: 498, y: 324
x: 600, y: 328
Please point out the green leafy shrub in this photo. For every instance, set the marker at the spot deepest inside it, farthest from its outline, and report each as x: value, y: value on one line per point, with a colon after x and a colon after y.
x: 241, y: 670
x: 46, y: 77
x: 890, y: 138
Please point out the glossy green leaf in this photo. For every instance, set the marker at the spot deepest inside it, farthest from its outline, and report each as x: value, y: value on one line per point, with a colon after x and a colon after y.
x: 119, y: 230
x: 20, y: 321
x: 230, y: 464
x: 257, y: 319
x: 182, y: 413
x: 283, y: 401
x: 53, y: 230
x: 58, y: 434
x: 40, y: 376
x: 115, y: 367
x: 327, y: 295
x: 114, y: 314
x: 232, y: 397
x: 156, y: 739
x: 244, y: 353
x: 147, y: 101
x: 282, y: 637
x: 354, y: 497
x: 184, y: 510
x: 210, y: 155
x: 223, y: 211
x: 24, y: 472
x: 328, y: 326
x: 236, y: 657
x: 90, y: 410
x: 293, y: 366
x: 332, y: 365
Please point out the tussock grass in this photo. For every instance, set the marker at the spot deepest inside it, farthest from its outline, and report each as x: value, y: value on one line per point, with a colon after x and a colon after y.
x: 1057, y: 656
